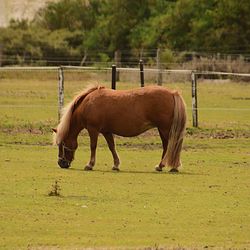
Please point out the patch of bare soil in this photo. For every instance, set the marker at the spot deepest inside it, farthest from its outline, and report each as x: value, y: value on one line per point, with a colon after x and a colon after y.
x: 217, y: 133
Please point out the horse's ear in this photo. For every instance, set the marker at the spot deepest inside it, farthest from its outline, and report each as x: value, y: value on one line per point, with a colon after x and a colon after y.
x: 54, y: 130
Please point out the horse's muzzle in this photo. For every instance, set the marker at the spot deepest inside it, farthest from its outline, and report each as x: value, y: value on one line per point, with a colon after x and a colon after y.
x: 63, y: 163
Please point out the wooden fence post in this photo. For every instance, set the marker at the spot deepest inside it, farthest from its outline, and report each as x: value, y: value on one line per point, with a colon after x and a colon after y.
x: 1, y: 54
x: 60, y: 92
x: 141, y: 73
x: 118, y: 56
x: 158, y: 65
x: 113, y: 80
x: 194, y: 100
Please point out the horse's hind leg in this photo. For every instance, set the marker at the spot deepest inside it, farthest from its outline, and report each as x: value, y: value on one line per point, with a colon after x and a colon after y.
x: 110, y: 140
x: 164, y: 139
x: 93, y: 134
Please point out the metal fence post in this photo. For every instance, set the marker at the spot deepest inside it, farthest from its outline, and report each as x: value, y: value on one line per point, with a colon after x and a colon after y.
x: 113, y: 80
x: 194, y: 100
x: 60, y: 92
x: 141, y: 73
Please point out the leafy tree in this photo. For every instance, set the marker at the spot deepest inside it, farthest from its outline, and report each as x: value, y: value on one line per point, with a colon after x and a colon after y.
x: 68, y: 14
x: 215, y: 25
x: 120, y: 17
x: 94, y: 29
x: 232, y: 26
x: 28, y: 44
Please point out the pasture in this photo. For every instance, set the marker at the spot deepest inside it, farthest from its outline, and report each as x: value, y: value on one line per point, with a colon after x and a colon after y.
x: 205, y: 205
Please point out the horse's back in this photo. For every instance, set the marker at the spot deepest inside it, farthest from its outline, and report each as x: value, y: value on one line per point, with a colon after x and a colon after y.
x: 129, y: 112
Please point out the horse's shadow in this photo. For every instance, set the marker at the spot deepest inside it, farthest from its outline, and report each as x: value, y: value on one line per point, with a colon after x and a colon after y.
x: 136, y: 172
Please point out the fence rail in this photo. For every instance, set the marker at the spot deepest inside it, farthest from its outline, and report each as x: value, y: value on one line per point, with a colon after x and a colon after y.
x: 114, y: 72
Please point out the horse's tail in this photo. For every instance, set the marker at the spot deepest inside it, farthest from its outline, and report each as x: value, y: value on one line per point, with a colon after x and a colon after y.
x: 176, y: 134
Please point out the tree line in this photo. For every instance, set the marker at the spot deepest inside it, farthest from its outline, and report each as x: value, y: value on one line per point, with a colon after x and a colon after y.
x: 88, y: 31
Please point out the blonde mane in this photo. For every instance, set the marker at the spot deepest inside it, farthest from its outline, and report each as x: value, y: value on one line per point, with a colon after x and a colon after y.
x: 64, y: 124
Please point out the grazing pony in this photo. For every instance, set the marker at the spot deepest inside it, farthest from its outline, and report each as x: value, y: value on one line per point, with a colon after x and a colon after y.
x: 125, y: 113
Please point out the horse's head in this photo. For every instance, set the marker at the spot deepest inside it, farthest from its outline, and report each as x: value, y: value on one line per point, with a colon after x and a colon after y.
x: 66, y: 155
x: 66, y: 152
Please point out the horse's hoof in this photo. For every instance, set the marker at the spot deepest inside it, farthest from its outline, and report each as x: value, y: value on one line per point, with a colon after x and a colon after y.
x: 173, y: 170
x: 159, y: 169
x: 115, y: 169
x: 88, y: 168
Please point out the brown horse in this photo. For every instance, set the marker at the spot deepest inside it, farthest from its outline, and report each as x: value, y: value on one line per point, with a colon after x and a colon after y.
x: 125, y: 113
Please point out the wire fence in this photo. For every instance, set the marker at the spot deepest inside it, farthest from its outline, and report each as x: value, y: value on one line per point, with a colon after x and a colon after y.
x: 236, y: 61
x: 197, y: 92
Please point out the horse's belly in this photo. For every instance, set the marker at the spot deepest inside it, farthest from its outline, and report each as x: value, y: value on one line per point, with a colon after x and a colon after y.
x: 129, y: 129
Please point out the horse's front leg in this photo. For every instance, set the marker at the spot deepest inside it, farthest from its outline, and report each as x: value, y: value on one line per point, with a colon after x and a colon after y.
x: 110, y: 140
x: 93, y: 134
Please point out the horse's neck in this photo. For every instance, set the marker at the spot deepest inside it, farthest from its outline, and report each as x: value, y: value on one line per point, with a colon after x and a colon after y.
x: 76, y: 125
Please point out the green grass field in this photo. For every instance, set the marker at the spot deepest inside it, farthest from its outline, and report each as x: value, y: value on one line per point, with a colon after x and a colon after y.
x: 206, y: 205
